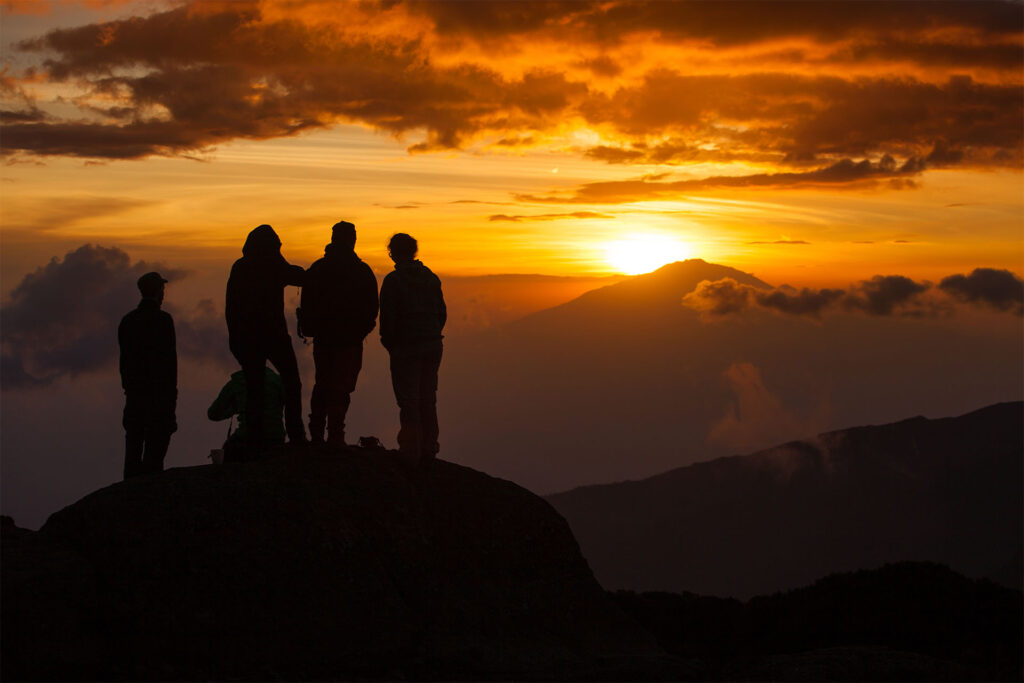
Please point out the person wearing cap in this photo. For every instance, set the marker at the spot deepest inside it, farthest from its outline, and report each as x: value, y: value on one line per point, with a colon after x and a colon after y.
x: 339, y: 308
x: 412, y: 316
x: 149, y: 377
x: 258, y: 332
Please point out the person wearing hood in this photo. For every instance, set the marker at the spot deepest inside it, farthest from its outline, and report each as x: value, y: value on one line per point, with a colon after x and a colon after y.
x: 412, y: 316
x: 339, y: 308
x: 257, y: 331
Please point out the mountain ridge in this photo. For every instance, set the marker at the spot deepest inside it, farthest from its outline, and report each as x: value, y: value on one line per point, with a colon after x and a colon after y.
x: 945, y: 490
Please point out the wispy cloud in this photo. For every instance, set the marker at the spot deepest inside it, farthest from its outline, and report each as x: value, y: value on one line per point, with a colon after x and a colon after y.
x: 548, y: 216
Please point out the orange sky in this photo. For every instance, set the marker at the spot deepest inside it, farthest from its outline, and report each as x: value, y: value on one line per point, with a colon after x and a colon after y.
x: 808, y: 143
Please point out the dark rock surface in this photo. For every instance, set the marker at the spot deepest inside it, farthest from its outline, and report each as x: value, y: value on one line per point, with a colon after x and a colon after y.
x: 948, y: 491
x: 312, y: 567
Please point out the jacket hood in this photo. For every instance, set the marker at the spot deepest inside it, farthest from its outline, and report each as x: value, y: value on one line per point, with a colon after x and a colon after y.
x: 262, y: 241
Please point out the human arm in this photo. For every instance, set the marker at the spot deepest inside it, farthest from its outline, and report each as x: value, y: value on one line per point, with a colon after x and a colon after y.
x: 388, y: 311
x: 226, y: 403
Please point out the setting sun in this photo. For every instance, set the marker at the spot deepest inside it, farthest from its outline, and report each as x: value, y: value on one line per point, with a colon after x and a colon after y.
x: 638, y: 254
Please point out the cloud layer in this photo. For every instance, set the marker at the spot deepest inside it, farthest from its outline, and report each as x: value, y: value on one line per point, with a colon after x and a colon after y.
x: 882, y: 295
x: 62, y: 319
x: 828, y: 93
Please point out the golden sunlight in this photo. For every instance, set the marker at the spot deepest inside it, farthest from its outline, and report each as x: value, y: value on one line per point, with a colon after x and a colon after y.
x: 642, y: 253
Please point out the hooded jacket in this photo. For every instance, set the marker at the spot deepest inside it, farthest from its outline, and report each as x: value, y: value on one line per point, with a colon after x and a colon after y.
x: 254, y: 305
x: 339, y: 299
x: 412, y: 308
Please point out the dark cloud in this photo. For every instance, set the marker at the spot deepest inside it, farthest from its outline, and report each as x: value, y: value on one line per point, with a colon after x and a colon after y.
x: 202, y: 333
x: 803, y: 302
x: 723, y: 24
x: 199, y: 75
x: 189, y: 78
x: 727, y: 296
x: 884, y: 294
x: 802, y: 117
x: 842, y: 173
x: 62, y: 319
x: 999, y: 289
x: 548, y: 216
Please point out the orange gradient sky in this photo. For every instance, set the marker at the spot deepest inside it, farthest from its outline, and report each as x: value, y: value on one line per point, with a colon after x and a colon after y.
x: 808, y: 143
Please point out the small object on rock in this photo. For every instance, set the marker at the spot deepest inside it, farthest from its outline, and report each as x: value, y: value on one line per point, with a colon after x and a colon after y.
x: 370, y: 443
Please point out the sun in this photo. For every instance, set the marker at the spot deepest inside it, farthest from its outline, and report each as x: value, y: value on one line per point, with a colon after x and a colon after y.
x: 642, y: 253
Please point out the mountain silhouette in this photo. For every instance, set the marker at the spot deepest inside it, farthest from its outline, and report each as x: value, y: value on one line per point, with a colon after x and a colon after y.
x: 946, y: 490
x: 908, y: 621
x: 311, y: 567
x: 624, y: 381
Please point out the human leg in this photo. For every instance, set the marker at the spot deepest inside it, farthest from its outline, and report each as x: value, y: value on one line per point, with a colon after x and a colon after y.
x: 429, y: 365
x: 405, y: 380
x: 322, y: 358
x: 347, y: 362
x: 254, y: 368
x: 282, y: 355
x: 134, y: 424
x: 157, y: 441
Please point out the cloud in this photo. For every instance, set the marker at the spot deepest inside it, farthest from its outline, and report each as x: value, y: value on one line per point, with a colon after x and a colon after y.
x: 884, y: 294
x: 61, y: 320
x: 999, y: 289
x: 790, y: 242
x: 186, y: 79
x: 720, y: 297
x: 726, y: 296
x: 201, y: 334
x: 845, y: 172
x: 804, y: 302
x: 757, y: 418
x: 548, y: 216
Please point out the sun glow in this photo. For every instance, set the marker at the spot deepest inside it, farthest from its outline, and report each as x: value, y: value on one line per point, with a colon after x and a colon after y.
x: 638, y: 254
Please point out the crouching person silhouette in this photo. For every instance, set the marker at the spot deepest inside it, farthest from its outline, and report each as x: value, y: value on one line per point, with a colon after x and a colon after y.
x: 257, y: 332
x: 339, y: 308
x: 412, y: 316
x: 149, y: 377
x: 232, y: 401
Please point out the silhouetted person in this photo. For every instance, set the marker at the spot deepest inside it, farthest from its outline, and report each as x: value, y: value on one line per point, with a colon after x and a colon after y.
x: 231, y: 402
x: 257, y: 331
x: 339, y: 308
x: 149, y: 377
x: 412, y: 316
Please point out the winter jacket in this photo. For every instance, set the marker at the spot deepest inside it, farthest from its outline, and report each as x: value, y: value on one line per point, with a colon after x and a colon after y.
x: 254, y: 305
x: 412, y: 309
x: 339, y: 299
x: 149, y: 358
x: 231, y: 401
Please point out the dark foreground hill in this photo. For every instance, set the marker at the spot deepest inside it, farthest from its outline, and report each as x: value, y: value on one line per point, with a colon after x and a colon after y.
x: 947, y: 491
x: 907, y: 622
x: 311, y: 567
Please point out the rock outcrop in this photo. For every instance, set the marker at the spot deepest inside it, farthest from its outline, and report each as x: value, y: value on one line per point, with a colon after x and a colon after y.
x: 312, y: 567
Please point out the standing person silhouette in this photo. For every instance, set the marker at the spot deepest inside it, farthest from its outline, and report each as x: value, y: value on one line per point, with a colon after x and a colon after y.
x: 339, y: 308
x: 149, y: 377
x: 412, y: 316
x: 257, y: 331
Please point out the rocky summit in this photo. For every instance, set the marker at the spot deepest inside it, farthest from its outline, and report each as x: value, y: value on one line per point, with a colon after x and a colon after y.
x: 312, y: 567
